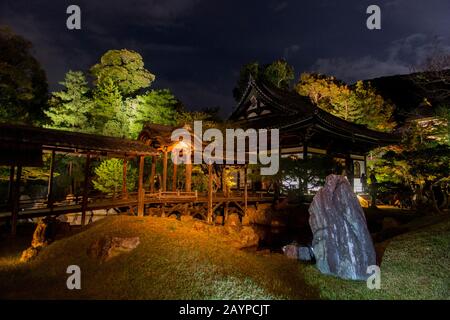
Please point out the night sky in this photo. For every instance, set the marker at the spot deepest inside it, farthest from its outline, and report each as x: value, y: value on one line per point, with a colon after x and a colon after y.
x: 196, y: 47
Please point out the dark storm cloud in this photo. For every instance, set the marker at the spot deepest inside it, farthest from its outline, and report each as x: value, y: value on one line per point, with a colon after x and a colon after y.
x: 196, y: 47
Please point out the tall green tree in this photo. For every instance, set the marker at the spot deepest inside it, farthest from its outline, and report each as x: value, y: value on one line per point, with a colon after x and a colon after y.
x: 23, y: 83
x: 71, y: 108
x: 155, y: 106
x: 109, y: 115
x: 125, y: 68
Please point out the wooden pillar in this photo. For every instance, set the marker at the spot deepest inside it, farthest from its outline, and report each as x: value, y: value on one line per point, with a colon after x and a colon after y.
x: 141, y: 187
x: 152, y: 174
x: 174, y: 177
x: 188, y: 176
x: 164, y: 182
x: 16, y: 201
x: 50, y: 182
x: 124, y: 179
x: 225, y: 212
x: 85, y: 189
x: 245, y: 190
x: 210, y: 193
x: 11, y: 185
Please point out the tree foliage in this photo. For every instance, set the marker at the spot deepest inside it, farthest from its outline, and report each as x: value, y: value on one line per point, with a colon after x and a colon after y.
x: 23, y: 83
x: 155, y: 106
x: 109, y: 176
x: 125, y: 68
x: 279, y: 73
x: 71, y: 108
x: 359, y: 103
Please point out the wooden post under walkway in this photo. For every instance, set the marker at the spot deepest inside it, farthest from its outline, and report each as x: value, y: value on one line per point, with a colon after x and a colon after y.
x: 245, y: 191
x: 16, y: 201
x: 124, y: 179
x: 152, y: 174
x: 174, y: 177
x: 85, y: 189
x: 210, y: 193
x: 188, y: 182
x: 11, y: 185
x: 141, y: 193
x: 164, y: 179
x: 50, y: 182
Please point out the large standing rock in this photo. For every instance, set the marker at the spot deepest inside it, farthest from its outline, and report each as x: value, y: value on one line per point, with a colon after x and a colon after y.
x: 342, y: 244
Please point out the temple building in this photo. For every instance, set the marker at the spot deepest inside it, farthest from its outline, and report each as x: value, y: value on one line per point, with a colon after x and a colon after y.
x: 306, y: 130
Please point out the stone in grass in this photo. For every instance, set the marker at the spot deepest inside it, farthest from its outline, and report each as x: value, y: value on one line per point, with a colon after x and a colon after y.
x: 108, y: 247
x: 294, y: 251
x: 341, y: 240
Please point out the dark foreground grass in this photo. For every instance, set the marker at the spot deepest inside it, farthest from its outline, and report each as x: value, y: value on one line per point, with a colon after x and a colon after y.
x: 176, y: 261
x: 173, y: 261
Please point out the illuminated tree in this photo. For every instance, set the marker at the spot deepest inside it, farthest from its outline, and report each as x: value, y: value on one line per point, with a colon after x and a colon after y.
x: 359, y: 103
x: 125, y: 68
x: 70, y: 109
x: 109, y: 176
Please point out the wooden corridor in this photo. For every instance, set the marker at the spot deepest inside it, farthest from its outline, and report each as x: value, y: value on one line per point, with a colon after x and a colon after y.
x: 167, y: 202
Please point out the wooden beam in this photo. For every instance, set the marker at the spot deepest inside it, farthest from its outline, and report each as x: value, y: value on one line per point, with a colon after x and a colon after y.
x: 174, y: 177
x: 141, y: 187
x: 50, y: 182
x: 85, y: 189
x: 152, y: 174
x: 210, y: 193
x: 245, y: 190
x: 188, y: 176
x: 16, y: 201
x: 124, y: 179
x: 164, y: 178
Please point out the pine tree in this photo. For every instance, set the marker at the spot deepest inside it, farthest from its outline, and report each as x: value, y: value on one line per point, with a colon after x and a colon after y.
x: 109, y: 176
x: 109, y: 113
x: 70, y: 108
x: 155, y: 106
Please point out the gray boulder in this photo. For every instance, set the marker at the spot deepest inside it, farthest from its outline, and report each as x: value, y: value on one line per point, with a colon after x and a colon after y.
x: 342, y: 244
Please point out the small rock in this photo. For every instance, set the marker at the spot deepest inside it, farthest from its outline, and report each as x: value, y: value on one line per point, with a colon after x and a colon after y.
x: 233, y: 220
x: 186, y: 218
x: 245, y: 221
x: 249, y: 238
x: 29, y: 254
x: 219, y: 220
x: 294, y: 251
x: 200, y: 226
x: 109, y: 247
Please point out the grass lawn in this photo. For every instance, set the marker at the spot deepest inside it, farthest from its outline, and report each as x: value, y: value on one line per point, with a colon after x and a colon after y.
x: 176, y: 261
